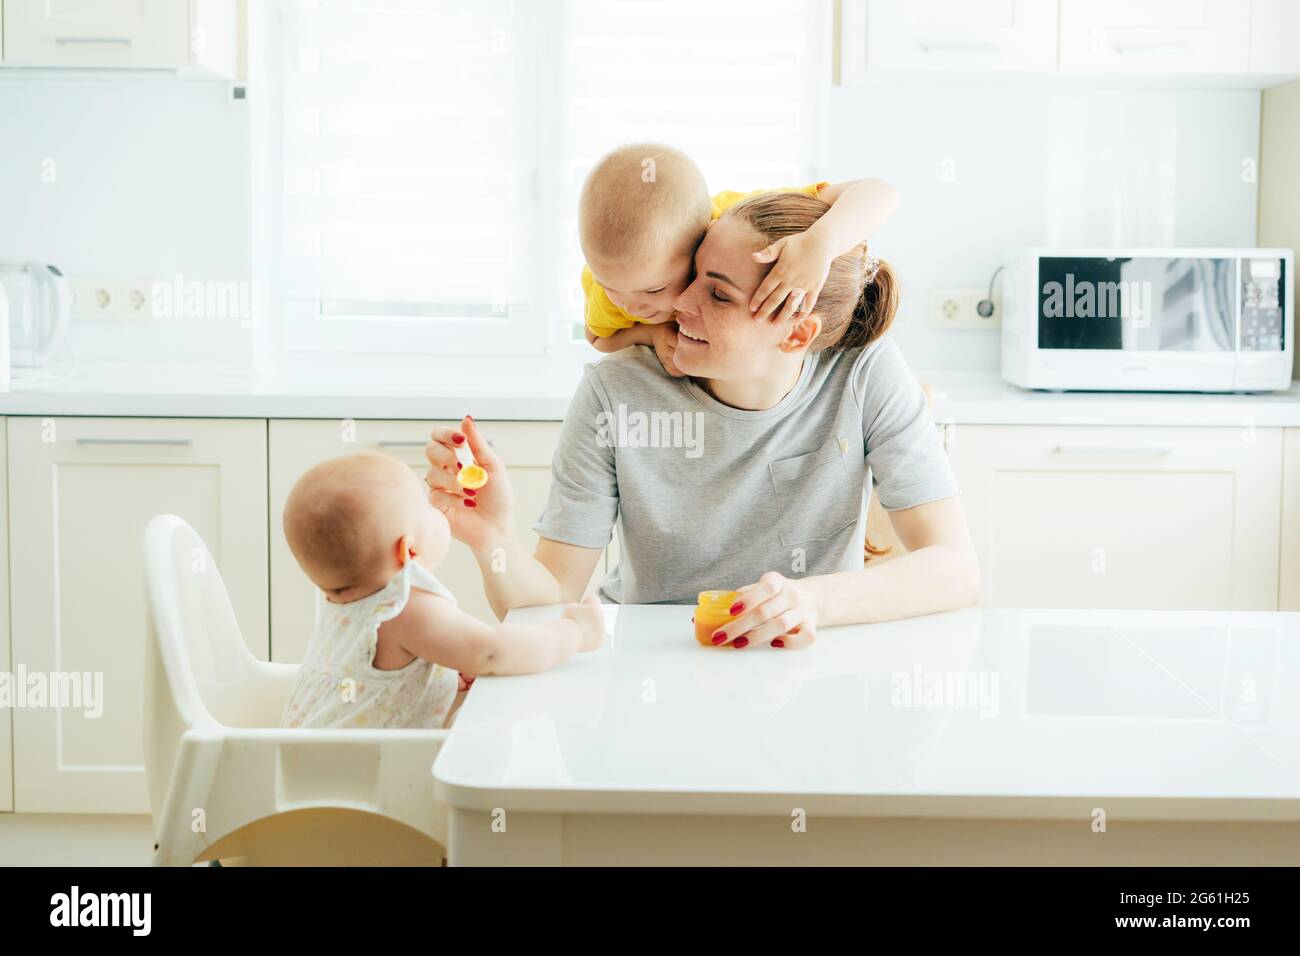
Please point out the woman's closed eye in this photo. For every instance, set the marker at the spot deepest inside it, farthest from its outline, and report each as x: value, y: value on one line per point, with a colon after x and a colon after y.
x: 718, y: 296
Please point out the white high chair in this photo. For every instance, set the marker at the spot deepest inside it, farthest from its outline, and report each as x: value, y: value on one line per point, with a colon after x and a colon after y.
x: 225, y: 781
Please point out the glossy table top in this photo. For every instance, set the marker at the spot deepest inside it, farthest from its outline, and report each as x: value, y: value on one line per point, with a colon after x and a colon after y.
x: 990, y: 713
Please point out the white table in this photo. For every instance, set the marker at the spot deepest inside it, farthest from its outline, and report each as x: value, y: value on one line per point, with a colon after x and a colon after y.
x: 977, y: 736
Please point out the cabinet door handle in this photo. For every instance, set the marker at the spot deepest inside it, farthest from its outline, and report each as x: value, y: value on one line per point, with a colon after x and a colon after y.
x: 1150, y: 46
x: 960, y: 47
x: 1148, y: 451
x: 135, y: 441
x: 99, y: 41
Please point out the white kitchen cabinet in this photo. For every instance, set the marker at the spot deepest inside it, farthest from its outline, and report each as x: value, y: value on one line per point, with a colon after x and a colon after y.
x: 911, y: 35
x: 296, y: 445
x: 6, y: 660
x: 1129, y: 517
x: 81, y: 491
x: 1275, y: 36
x: 1155, y: 36
x: 1288, y: 596
x: 139, y: 34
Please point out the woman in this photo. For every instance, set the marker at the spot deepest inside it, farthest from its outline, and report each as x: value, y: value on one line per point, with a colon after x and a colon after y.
x: 751, y: 470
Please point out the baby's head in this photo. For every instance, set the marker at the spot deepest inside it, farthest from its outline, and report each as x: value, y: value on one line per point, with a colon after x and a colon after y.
x: 644, y: 209
x: 353, y: 522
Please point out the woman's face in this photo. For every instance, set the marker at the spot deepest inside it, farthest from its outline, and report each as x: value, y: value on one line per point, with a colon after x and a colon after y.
x: 718, y: 337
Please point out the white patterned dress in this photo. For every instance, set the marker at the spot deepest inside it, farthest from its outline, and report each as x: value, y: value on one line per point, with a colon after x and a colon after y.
x: 338, y: 684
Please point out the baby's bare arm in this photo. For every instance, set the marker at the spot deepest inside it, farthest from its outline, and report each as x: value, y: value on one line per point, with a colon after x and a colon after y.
x: 434, y: 629
x: 638, y: 334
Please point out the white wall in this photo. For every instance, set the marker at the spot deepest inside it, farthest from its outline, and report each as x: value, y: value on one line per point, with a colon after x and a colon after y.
x: 150, y: 178
x: 985, y: 169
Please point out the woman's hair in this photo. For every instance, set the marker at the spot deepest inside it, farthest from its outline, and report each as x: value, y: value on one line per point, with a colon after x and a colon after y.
x: 860, y: 297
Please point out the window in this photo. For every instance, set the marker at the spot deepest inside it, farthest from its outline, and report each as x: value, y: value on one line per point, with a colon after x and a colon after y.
x: 423, y: 160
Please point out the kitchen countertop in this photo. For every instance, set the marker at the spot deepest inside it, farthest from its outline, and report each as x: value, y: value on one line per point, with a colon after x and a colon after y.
x: 1154, y: 715
x: 536, y: 390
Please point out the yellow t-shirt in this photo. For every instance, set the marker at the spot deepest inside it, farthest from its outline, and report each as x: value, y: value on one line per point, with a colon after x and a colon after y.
x: 604, y: 318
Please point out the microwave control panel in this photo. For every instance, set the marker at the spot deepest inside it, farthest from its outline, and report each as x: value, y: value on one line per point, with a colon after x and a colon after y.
x: 1262, y: 308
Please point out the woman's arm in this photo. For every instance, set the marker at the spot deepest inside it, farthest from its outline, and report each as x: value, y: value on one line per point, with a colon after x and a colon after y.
x: 581, y: 508
x: 940, y: 572
x: 555, y: 572
x: 484, y: 521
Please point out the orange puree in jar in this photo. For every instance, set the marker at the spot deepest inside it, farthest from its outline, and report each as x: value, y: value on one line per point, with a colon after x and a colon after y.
x: 713, y: 611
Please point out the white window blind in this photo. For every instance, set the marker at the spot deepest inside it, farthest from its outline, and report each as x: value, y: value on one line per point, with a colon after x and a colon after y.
x: 428, y: 156
x: 736, y: 84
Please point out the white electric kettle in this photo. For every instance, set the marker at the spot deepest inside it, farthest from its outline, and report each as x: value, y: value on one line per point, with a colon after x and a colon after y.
x: 38, y: 300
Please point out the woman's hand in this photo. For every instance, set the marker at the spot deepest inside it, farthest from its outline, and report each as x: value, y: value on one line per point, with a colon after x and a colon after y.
x: 777, y: 611
x: 802, y: 264
x: 481, y: 517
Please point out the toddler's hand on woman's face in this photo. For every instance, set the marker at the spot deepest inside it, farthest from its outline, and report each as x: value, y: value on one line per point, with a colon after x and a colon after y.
x: 478, y: 517
x: 801, y: 263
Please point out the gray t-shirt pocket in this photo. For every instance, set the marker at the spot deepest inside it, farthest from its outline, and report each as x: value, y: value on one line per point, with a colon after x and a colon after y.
x: 815, y: 494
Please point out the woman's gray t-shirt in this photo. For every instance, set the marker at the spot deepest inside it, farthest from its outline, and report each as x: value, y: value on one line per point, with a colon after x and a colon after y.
x: 710, y: 496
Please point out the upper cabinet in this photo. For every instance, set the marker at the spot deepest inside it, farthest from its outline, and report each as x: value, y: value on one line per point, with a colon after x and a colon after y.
x: 1155, y: 36
x: 140, y: 34
x: 956, y: 34
x: 1256, y: 41
x: 1275, y: 36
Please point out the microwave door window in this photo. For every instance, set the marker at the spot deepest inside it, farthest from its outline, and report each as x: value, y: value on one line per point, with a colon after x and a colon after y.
x: 1137, y: 305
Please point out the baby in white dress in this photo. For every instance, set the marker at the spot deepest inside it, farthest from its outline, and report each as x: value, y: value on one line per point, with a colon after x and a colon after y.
x: 390, y: 644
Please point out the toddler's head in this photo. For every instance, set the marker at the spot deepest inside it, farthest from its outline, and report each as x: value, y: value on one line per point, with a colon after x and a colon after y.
x: 353, y: 522
x: 643, y: 211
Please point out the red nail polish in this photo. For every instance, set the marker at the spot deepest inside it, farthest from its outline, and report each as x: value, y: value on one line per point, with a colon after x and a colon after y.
x: 458, y: 438
x: 719, y: 637
x: 471, y: 492
x: 736, y: 608
x: 470, y: 503
x: 778, y: 643
x: 458, y: 466
x: 740, y: 642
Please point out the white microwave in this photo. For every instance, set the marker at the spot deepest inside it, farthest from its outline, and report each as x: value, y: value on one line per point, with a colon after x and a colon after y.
x: 1188, y: 320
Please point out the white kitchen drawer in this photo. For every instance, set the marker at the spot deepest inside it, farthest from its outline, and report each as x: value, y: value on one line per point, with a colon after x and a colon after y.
x: 1100, y: 517
x: 1155, y: 36
x: 296, y: 445
x: 907, y: 35
x: 138, y: 34
x: 1288, y: 597
x: 81, y: 491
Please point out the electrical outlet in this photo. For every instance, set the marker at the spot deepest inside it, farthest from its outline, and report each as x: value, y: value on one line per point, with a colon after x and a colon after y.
x: 111, y: 299
x: 959, y: 309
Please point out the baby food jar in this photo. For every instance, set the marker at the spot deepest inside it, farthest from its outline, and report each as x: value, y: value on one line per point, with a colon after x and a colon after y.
x: 712, y: 612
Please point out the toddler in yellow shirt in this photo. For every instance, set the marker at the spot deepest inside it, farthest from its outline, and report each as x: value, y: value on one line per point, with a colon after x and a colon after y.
x: 645, y: 208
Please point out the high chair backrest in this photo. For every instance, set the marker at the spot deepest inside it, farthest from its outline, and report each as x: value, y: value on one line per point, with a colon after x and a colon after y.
x: 196, y: 659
